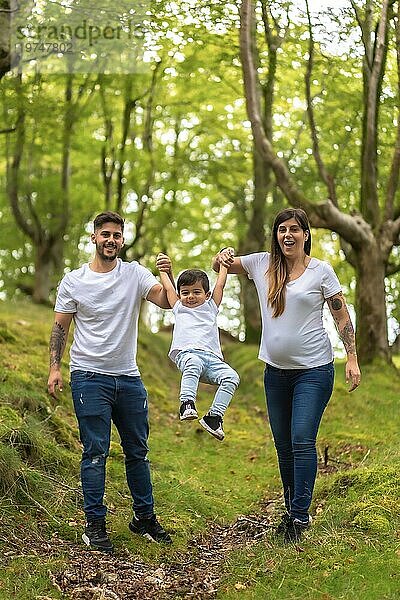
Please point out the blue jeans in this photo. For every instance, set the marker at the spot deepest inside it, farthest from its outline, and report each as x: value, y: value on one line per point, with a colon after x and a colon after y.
x: 296, y: 400
x: 199, y: 365
x: 98, y: 400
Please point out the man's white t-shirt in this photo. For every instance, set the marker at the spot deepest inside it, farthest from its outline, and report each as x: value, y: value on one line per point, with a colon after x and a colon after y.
x: 195, y: 328
x: 297, y: 339
x: 106, y: 308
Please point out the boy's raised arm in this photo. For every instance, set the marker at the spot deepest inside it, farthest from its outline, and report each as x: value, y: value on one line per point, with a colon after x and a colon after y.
x: 163, y: 264
x: 218, y: 290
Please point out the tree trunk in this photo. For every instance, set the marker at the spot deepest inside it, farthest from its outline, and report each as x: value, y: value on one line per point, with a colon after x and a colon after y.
x: 43, y: 269
x: 5, y: 34
x: 47, y: 245
x: 254, y: 241
x: 370, y: 305
x: 9, y: 10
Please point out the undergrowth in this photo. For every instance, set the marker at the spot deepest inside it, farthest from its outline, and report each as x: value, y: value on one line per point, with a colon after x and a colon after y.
x: 351, y: 552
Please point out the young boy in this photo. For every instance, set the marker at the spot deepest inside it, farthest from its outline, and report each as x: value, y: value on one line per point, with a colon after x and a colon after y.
x: 195, y: 347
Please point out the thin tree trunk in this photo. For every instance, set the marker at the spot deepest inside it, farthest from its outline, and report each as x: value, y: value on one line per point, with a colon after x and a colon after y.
x: 48, y: 246
x: 43, y: 272
x: 370, y: 305
x: 254, y: 241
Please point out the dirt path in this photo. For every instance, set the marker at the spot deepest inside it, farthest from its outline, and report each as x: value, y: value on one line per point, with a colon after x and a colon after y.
x: 195, y: 573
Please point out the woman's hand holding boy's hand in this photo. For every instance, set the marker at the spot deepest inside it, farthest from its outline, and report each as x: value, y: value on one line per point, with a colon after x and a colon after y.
x: 163, y: 263
x: 226, y: 257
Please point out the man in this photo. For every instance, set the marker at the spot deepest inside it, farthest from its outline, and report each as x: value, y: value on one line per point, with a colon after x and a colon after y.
x: 103, y: 298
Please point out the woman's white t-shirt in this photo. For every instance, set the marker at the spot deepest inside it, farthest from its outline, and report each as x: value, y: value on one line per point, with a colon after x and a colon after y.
x: 106, y: 308
x: 297, y: 339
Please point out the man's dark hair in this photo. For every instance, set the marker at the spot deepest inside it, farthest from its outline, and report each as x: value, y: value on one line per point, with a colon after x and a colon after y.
x: 108, y: 217
x: 191, y: 276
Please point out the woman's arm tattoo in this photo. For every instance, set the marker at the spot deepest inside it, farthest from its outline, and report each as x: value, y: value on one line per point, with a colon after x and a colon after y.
x: 348, y: 337
x: 336, y: 303
x: 57, y: 344
x: 343, y: 322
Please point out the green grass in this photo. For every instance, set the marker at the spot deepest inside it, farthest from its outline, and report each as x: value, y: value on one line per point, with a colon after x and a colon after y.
x: 352, y: 550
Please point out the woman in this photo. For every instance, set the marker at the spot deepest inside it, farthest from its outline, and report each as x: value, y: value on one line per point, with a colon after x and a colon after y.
x: 292, y: 288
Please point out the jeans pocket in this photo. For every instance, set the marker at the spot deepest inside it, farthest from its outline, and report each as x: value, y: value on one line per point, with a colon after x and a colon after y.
x: 326, y: 375
x: 82, y: 375
x: 79, y: 380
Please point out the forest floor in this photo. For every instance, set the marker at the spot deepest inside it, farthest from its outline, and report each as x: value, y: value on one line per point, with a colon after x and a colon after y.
x: 220, y: 502
x: 194, y: 573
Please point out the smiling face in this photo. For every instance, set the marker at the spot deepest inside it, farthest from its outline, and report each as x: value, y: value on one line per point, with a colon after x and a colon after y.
x: 108, y: 240
x: 291, y: 238
x: 193, y: 295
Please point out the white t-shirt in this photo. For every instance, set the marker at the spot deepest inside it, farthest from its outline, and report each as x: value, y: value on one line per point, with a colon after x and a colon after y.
x: 195, y: 328
x: 297, y: 339
x: 106, y: 308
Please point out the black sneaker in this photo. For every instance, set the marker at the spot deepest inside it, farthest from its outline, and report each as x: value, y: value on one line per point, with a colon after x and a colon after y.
x: 295, y: 529
x: 96, y: 536
x: 282, y: 526
x: 213, y: 424
x: 150, y: 529
x: 187, y: 411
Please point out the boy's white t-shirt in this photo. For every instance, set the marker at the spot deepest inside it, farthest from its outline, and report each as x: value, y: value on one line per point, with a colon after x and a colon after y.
x: 297, y: 339
x: 106, y: 308
x: 195, y: 328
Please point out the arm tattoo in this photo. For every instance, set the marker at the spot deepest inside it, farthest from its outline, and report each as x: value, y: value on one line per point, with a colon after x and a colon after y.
x: 57, y: 344
x: 348, y: 338
x: 336, y: 302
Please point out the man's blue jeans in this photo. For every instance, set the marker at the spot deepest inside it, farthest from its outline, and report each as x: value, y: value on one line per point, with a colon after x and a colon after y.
x: 98, y: 400
x: 296, y: 400
x: 199, y: 365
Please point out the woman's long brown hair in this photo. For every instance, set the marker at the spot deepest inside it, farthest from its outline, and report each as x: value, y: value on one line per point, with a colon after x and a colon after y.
x: 277, y: 273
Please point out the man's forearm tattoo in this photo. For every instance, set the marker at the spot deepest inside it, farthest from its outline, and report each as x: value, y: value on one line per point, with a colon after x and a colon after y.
x: 57, y: 344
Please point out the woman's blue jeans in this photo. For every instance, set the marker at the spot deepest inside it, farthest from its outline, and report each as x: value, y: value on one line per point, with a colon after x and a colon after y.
x: 98, y: 400
x: 296, y: 400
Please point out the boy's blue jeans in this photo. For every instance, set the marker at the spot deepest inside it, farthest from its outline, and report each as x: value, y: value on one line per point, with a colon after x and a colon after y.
x: 98, y: 400
x: 199, y: 365
x: 296, y: 400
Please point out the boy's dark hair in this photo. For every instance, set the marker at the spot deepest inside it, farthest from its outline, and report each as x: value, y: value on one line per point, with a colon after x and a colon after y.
x: 108, y: 217
x: 191, y: 276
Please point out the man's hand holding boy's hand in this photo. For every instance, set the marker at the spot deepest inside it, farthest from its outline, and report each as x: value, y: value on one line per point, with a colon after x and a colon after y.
x: 163, y: 263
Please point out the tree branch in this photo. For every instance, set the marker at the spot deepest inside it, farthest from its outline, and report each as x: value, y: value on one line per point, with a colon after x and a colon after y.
x: 13, y: 169
x: 348, y: 252
x: 392, y: 269
x: 393, y: 181
x: 325, y: 176
x: 365, y: 31
x: 396, y: 230
x: 108, y: 158
x: 369, y: 202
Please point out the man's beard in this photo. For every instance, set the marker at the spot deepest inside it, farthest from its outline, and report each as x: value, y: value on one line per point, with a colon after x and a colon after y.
x: 103, y: 255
